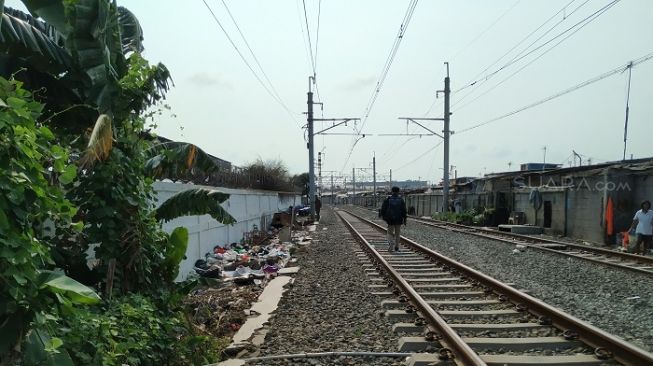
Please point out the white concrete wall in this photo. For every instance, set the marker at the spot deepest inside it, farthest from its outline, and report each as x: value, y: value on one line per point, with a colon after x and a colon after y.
x: 249, y: 207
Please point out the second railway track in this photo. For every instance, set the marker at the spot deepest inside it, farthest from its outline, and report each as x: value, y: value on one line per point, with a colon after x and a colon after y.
x: 473, y: 319
x: 627, y: 261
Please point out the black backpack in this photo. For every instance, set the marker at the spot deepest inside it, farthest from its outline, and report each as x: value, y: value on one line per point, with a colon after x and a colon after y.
x: 393, y: 212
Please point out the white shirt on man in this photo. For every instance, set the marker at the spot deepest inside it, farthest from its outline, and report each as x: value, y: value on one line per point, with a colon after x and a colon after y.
x: 645, y: 222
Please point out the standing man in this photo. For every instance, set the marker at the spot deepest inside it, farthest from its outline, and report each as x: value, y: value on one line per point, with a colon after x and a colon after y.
x: 393, y: 212
x: 318, y: 207
x: 644, y: 221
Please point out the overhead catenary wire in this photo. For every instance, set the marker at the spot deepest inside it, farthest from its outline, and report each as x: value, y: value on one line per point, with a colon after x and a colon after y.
x: 563, y: 92
x: 384, y: 72
x: 524, y: 53
x: 389, y: 60
x: 310, y: 42
x: 305, y: 43
x: 476, y: 78
x: 249, y: 66
x: 589, y: 19
x: 317, y: 33
x: 419, y: 157
x: 313, y: 59
x: 495, y: 22
x: 258, y: 63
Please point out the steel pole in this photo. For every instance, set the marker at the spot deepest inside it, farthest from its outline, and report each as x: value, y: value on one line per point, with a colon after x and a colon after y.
x: 311, y: 167
x: 447, y: 134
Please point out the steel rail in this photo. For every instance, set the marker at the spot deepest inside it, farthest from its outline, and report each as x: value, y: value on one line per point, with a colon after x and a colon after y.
x: 622, y: 351
x: 450, y: 339
x: 533, y: 241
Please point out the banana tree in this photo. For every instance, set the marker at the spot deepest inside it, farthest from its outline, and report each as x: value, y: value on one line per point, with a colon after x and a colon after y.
x: 86, y: 54
x: 82, y: 50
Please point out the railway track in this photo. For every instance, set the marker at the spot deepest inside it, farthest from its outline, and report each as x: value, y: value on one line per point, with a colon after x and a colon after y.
x: 631, y: 262
x: 460, y: 316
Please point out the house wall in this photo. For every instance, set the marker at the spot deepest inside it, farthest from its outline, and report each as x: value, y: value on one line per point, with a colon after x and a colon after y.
x: 249, y: 207
x: 521, y: 203
x: 578, y: 199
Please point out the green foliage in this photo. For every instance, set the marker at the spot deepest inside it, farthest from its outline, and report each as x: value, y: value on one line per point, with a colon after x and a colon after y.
x: 30, y: 207
x: 133, y: 330
x: 300, y: 181
x: 178, y: 160
x: 175, y: 252
x: 41, y: 349
x: 84, y: 57
x: 116, y: 201
x: 197, y: 201
x: 22, y: 35
x: 270, y: 175
x: 466, y: 217
x: 67, y: 288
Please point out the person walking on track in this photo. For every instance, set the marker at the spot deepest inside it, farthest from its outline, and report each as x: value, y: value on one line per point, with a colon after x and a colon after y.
x: 393, y: 212
x: 643, y: 220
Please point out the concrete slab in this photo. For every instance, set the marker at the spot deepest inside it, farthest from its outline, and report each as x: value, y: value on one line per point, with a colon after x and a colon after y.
x: 575, y: 360
x: 408, y: 328
x: 495, y: 327
x: 452, y: 294
x: 522, y: 229
x: 424, y: 359
x: 415, y: 344
x: 451, y: 286
x: 424, y: 274
x: 266, y: 304
x: 289, y: 271
x: 394, y: 304
x: 520, y: 344
x: 457, y: 314
x: 399, y: 315
x: 232, y: 362
x: 433, y: 280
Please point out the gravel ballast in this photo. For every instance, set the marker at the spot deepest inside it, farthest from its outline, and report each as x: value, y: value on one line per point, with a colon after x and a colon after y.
x: 329, y: 307
x: 615, y: 300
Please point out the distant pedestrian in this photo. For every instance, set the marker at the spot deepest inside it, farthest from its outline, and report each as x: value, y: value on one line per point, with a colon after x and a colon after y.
x: 643, y: 220
x: 318, y: 207
x: 393, y: 212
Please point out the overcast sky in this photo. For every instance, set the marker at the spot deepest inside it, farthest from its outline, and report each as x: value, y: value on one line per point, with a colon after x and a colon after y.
x: 220, y: 106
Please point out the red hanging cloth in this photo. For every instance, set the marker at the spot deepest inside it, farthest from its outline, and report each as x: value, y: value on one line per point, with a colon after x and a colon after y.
x: 609, y: 217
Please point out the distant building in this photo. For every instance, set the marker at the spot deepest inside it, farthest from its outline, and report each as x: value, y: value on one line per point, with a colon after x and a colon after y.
x: 569, y: 201
x: 538, y: 166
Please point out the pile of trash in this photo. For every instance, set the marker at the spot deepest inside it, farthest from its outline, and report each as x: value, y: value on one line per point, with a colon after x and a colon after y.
x: 221, y: 311
x: 245, y: 264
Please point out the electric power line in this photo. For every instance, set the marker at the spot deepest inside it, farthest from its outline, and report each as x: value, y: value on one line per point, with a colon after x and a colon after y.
x: 486, y: 30
x: 317, y: 35
x: 390, y: 59
x: 384, y: 71
x: 591, y: 18
x: 476, y: 78
x: 310, y: 45
x: 308, y: 32
x: 561, y: 93
x: 242, y: 57
x: 419, y: 157
x: 265, y: 75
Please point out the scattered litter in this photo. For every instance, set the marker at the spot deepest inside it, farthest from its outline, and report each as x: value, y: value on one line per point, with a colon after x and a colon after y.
x: 288, y: 271
x: 633, y: 298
